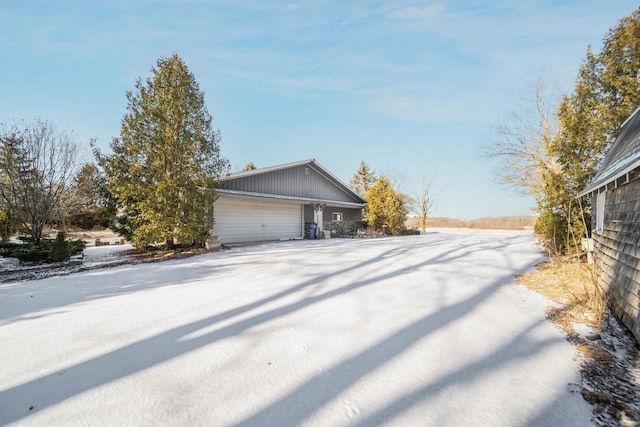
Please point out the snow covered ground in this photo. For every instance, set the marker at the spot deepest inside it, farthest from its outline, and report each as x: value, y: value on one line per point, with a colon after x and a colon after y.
x: 104, y: 255
x: 414, y: 331
x: 12, y: 270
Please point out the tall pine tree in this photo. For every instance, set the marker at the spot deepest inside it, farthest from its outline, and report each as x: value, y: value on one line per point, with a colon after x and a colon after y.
x: 606, y: 92
x: 166, y: 161
x: 363, y: 179
x: 555, y: 166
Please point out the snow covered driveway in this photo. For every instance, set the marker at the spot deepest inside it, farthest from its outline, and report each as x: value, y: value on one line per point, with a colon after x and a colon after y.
x: 414, y: 331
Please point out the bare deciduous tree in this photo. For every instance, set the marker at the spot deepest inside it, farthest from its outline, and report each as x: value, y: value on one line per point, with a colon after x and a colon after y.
x: 525, y: 144
x: 86, y: 203
x: 427, y: 199
x: 37, y: 164
x: 398, y: 180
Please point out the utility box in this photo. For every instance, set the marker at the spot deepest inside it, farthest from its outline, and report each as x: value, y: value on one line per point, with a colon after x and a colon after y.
x: 587, y: 245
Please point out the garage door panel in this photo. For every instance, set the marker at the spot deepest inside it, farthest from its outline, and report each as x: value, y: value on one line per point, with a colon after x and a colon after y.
x: 238, y: 220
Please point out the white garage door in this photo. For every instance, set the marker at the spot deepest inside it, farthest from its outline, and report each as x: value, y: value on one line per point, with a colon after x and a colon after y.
x: 240, y: 220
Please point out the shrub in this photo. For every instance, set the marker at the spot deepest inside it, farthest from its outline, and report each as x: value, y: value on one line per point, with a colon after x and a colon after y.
x: 409, y: 231
x: 30, y: 253
x: 47, y: 251
x: 6, y: 247
x: 550, y: 229
x: 60, y: 248
x: 77, y: 246
x: 92, y: 218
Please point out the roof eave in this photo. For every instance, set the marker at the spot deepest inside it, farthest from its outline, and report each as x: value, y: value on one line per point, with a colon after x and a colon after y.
x: 267, y: 169
x: 598, y: 187
x: 252, y: 195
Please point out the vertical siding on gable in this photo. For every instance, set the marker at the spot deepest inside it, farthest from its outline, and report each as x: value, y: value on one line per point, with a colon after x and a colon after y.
x: 617, y: 253
x: 300, y: 181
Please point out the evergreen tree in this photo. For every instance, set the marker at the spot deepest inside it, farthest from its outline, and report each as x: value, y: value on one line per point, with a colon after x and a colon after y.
x: 385, y: 207
x: 606, y: 92
x: 166, y: 161
x: 553, y: 160
x: 60, y: 248
x: 363, y: 179
x: 89, y: 204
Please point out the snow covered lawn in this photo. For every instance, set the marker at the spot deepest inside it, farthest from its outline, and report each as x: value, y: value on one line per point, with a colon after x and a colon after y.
x: 105, y: 255
x: 413, y: 331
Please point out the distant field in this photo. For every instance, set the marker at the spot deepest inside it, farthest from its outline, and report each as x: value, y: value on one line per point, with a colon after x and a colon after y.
x: 503, y: 222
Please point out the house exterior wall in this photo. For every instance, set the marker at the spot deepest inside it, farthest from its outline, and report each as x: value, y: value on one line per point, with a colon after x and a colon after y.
x: 308, y: 213
x: 617, y: 253
x: 348, y: 214
x: 351, y: 220
x: 301, y: 181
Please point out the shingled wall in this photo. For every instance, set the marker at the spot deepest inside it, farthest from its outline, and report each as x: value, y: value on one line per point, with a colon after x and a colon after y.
x: 617, y: 253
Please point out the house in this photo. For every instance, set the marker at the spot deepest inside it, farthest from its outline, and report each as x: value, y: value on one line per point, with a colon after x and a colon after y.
x: 615, y: 200
x: 275, y: 203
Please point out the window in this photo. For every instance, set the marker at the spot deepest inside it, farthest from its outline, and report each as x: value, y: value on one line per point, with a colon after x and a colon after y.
x: 600, y: 200
x: 337, y: 216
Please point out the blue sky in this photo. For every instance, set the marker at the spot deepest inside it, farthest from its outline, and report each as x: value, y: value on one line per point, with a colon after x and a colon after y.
x: 412, y: 88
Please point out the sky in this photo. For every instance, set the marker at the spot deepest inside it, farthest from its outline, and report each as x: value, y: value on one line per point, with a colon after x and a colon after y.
x: 413, y: 88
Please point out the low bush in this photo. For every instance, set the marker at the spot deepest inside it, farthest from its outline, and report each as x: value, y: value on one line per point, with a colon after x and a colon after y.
x: 77, y: 246
x: 5, y: 246
x: 409, y: 232
x: 49, y: 250
x: 30, y: 253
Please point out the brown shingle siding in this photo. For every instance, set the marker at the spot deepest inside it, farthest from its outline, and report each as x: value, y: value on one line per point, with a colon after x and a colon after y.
x: 617, y: 253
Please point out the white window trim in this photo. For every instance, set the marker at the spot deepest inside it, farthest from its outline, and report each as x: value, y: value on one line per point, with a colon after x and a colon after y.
x: 337, y: 216
x: 600, y: 206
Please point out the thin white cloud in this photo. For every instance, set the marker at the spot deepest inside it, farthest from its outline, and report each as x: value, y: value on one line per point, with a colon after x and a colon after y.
x: 305, y: 49
x: 417, y: 12
x: 401, y: 107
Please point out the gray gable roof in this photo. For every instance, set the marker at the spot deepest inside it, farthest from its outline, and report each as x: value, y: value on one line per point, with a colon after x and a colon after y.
x: 623, y: 156
x: 305, y: 181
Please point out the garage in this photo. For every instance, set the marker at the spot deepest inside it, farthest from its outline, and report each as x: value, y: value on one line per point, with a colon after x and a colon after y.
x: 270, y: 203
x: 243, y: 220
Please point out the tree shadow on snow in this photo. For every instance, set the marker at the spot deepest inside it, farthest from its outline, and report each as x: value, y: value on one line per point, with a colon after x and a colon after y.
x: 19, y: 299
x: 301, y: 403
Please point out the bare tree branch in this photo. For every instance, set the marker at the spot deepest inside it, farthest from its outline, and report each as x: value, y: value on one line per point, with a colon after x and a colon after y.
x: 37, y: 164
x: 427, y: 200
x: 525, y: 142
